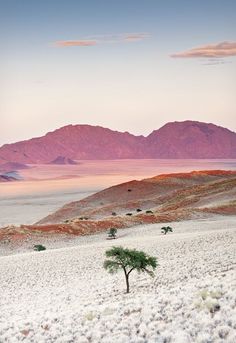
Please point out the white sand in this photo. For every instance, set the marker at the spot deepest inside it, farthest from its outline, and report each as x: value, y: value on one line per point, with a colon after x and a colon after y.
x: 65, y: 295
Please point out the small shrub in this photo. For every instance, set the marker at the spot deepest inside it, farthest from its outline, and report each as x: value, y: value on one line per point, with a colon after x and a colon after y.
x: 129, y: 190
x: 129, y: 214
x: 83, y: 218
x: 139, y: 210
x: 166, y: 229
x: 39, y: 247
x: 112, y: 233
x: 149, y: 211
x: 114, y: 214
x: 209, y: 300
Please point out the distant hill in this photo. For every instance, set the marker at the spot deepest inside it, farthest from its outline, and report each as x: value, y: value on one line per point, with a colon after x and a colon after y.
x: 63, y: 160
x: 168, y: 196
x: 161, y: 199
x: 12, y: 166
x: 6, y: 178
x: 191, y: 139
x: 188, y: 139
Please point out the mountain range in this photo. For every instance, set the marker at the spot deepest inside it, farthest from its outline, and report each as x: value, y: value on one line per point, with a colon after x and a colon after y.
x: 175, y: 140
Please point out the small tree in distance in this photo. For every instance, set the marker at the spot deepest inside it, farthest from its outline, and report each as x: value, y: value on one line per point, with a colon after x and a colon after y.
x: 129, y: 260
x: 39, y: 247
x: 112, y: 233
x: 166, y: 229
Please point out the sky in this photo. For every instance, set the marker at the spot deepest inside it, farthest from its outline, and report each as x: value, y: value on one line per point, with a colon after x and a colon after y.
x: 128, y: 65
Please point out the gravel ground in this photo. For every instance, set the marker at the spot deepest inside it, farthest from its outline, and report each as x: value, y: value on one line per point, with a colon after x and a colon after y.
x: 65, y: 295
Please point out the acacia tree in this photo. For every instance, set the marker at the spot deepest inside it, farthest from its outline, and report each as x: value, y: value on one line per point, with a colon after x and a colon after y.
x: 166, y: 229
x: 129, y: 260
x: 112, y: 233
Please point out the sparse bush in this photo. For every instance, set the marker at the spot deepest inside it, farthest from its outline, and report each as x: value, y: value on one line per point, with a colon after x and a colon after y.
x: 129, y: 260
x: 112, y: 233
x: 209, y: 300
x: 39, y: 247
x: 83, y: 218
x: 166, y: 229
x: 129, y: 214
x: 114, y: 214
x: 149, y: 212
x: 139, y: 210
x: 129, y: 190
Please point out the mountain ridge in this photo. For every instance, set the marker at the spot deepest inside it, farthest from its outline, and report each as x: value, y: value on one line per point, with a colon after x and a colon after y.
x: 182, y: 140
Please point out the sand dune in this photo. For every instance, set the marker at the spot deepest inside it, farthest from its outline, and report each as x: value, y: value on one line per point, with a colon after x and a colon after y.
x: 175, y: 195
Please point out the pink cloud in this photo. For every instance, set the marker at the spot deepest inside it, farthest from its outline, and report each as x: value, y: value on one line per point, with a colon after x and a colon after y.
x: 68, y: 43
x: 102, y: 39
x: 220, y: 50
x: 134, y: 37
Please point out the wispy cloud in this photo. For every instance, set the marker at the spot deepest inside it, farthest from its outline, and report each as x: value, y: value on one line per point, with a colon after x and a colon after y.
x: 134, y: 37
x: 67, y: 43
x: 219, y: 50
x: 103, y: 39
x: 215, y: 61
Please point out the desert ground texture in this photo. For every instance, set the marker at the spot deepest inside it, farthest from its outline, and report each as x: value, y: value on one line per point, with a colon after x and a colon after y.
x: 64, y: 295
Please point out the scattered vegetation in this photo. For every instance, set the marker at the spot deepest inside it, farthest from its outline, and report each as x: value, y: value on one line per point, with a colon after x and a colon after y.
x: 114, y: 214
x: 129, y: 190
x: 112, y: 233
x: 166, y: 229
x: 129, y: 260
x: 39, y: 247
x: 139, y: 210
x: 149, y: 211
x: 129, y: 214
x: 209, y: 300
x: 83, y: 218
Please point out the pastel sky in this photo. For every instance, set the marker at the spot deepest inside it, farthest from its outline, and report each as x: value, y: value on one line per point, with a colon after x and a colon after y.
x: 128, y: 65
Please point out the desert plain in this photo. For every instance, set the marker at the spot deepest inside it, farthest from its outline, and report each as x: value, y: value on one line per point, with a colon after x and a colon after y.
x: 64, y: 294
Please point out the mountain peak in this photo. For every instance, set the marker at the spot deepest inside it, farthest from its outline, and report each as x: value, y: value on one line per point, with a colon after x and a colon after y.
x: 187, y: 139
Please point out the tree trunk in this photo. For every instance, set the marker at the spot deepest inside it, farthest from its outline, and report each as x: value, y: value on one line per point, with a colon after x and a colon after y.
x: 127, y: 282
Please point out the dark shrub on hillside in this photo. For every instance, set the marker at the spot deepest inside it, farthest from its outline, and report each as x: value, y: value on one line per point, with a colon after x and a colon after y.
x: 39, y: 247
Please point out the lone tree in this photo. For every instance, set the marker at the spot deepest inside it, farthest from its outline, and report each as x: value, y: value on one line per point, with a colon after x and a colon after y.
x: 112, y: 233
x: 39, y: 247
x: 129, y: 260
x: 166, y: 229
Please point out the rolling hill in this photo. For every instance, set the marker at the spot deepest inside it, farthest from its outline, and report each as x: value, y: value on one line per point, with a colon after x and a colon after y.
x: 163, y: 198
x: 164, y: 195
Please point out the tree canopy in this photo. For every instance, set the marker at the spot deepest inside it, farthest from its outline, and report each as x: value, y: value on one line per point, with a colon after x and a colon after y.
x: 112, y: 233
x: 129, y: 260
x: 166, y: 229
